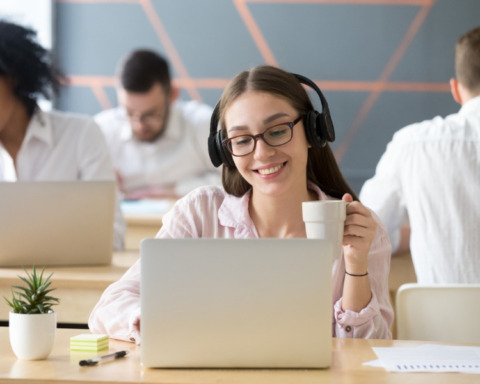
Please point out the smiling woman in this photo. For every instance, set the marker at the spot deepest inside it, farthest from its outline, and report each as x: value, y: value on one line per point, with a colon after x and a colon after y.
x: 270, y: 171
x: 281, y: 158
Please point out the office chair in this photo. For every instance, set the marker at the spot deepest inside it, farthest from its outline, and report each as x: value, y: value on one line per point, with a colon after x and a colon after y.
x: 447, y: 313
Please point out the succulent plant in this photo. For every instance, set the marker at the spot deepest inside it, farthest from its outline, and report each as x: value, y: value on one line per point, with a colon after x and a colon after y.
x: 33, y: 296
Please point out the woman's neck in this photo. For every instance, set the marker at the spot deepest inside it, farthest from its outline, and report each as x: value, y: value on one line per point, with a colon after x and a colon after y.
x: 280, y: 216
x: 14, y: 130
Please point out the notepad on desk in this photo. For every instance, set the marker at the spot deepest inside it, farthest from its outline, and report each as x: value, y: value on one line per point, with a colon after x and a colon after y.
x: 146, y: 206
x: 87, y: 342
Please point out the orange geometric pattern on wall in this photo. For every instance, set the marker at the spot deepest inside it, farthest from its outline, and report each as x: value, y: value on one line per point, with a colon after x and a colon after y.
x: 191, y: 85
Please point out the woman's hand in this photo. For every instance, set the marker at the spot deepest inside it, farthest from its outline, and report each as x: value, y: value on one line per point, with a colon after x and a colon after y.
x: 358, y: 234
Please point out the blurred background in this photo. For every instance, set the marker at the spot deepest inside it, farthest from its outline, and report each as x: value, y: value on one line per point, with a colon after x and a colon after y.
x: 381, y: 64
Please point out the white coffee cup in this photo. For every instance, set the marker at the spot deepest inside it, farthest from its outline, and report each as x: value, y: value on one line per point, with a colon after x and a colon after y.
x: 325, y: 219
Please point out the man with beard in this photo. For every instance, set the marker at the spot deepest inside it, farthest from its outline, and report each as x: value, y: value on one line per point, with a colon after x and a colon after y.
x: 158, y: 143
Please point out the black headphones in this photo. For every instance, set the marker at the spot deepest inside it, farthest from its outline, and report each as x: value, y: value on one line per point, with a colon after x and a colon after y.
x: 318, y: 128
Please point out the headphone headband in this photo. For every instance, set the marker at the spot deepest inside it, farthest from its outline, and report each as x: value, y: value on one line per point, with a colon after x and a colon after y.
x: 306, y: 81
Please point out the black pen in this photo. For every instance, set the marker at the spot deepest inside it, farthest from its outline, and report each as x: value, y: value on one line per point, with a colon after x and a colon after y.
x: 95, y: 360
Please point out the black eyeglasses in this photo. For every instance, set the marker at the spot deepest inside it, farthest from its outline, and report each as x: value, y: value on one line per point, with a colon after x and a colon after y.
x: 274, y: 136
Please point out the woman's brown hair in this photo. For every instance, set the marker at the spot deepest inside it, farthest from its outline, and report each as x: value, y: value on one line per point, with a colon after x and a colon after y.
x: 322, y: 168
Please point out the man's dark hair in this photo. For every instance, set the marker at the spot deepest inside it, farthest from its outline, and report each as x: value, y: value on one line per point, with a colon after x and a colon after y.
x: 27, y: 64
x: 141, y: 69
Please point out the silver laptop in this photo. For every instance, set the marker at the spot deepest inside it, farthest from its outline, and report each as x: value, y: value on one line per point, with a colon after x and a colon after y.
x: 56, y: 223
x: 236, y: 303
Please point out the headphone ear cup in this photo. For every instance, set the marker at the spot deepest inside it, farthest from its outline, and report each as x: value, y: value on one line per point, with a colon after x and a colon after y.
x: 318, y: 126
x: 312, y: 129
x: 216, y: 150
x: 325, y: 127
x: 213, y: 151
x: 224, y: 154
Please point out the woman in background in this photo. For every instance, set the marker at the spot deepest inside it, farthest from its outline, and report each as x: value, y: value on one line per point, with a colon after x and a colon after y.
x: 272, y: 162
x: 36, y: 145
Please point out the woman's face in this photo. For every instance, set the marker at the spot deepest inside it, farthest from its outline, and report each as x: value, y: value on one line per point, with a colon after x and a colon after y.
x: 272, y: 171
x: 8, y: 101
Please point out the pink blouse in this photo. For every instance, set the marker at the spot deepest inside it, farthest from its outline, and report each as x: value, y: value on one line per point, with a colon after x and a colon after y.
x: 211, y: 212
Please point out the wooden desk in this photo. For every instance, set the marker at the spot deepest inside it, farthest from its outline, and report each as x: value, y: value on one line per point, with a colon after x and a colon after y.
x: 78, y: 288
x: 401, y: 272
x: 144, y: 219
x: 140, y: 226
x: 347, y: 359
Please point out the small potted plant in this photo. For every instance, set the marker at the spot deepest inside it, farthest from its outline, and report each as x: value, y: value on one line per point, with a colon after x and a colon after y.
x: 32, y: 322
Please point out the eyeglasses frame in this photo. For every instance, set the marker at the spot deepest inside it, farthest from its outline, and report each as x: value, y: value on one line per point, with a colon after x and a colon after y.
x: 290, y: 124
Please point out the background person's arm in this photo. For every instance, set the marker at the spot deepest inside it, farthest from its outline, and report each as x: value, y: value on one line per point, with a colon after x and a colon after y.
x: 383, y: 193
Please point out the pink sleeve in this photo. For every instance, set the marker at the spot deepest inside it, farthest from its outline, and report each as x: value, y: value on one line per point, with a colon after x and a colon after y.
x: 373, y: 321
x: 118, y: 311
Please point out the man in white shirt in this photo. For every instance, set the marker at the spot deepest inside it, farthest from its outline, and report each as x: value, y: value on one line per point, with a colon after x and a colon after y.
x: 157, y: 143
x: 431, y: 172
x: 36, y: 145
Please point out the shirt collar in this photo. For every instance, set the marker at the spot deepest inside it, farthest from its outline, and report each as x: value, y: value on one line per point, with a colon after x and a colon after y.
x: 40, y: 127
x: 173, y: 129
x: 471, y: 107
x: 126, y: 129
x: 234, y: 211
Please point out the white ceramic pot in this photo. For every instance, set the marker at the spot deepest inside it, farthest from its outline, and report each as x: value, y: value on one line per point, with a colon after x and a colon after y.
x: 32, y: 335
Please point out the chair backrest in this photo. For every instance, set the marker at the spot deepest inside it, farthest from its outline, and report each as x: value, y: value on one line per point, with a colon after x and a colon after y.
x: 447, y: 313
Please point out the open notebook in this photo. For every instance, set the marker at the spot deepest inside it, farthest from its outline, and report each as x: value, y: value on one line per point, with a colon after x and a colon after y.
x: 56, y: 223
x: 231, y: 303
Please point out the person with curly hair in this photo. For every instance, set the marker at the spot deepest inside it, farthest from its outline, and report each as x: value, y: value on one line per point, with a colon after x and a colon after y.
x: 38, y: 145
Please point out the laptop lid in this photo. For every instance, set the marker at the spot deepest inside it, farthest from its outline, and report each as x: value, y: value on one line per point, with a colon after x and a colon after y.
x: 56, y: 223
x: 224, y: 303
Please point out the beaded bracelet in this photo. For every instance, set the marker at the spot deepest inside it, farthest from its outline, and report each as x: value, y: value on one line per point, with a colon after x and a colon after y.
x: 351, y: 274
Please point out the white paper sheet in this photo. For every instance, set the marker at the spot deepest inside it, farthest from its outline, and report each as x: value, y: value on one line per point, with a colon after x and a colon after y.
x: 428, y: 358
